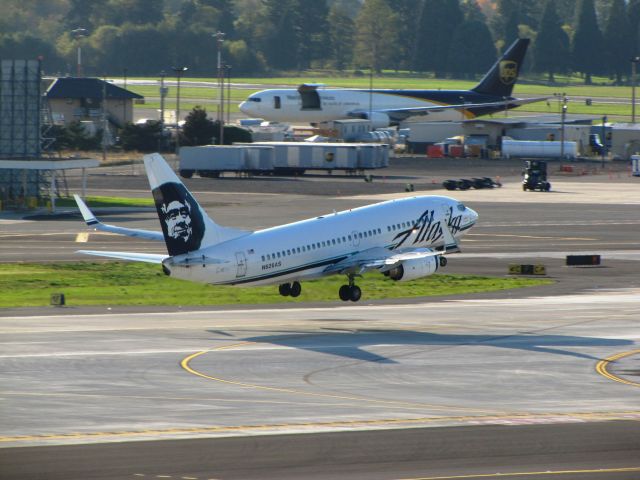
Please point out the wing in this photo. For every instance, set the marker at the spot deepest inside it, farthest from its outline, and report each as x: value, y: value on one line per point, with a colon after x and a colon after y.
x: 382, y: 259
x: 134, y: 257
x: 399, y: 114
x: 92, y: 221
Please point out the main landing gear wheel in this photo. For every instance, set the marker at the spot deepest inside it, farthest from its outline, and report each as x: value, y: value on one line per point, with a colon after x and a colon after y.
x: 295, y: 289
x: 290, y: 289
x: 350, y: 292
x: 443, y: 261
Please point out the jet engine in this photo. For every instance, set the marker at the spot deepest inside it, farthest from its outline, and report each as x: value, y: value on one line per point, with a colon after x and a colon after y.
x: 412, y: 269
x: 378, y: 119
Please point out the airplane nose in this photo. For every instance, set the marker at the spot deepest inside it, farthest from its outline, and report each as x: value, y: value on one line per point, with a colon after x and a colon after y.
x: 244, y: 108
x: 473, y: 215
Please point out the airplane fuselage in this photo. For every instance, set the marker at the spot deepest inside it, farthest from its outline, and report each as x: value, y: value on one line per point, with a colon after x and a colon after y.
x: 306, y: 248
x: 287, y: 106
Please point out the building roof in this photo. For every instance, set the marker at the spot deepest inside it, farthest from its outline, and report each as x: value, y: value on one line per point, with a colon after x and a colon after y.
x: 74, y: 87
x: 537, y: 119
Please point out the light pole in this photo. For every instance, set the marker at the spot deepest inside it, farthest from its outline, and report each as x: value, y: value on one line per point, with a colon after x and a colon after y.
x: 178, y: 71
x: 124, y: 102
x: 634, y: 68
x: 78, y: 33
x: 563, y: 116
x: 163, y: 93
x: 219, y: 36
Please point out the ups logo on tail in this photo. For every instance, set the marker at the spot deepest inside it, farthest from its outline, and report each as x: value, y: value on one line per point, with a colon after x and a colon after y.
x: 508, y: 71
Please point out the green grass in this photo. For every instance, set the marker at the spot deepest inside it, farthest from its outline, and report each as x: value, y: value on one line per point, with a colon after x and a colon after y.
x: 118, y: 283
x: 107, y: 202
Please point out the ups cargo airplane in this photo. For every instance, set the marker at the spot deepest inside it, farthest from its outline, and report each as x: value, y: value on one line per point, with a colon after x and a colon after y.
x: 403, y: 239
x: 312, y: 104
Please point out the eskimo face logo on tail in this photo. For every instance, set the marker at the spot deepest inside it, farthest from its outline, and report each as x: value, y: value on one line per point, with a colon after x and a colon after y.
x: 508, y: 71
x: 180, y: 218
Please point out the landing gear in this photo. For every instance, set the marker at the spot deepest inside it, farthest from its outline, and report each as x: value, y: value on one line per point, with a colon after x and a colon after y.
x: 290, y: 289
x: 350, y: 292
x: 443, y: 261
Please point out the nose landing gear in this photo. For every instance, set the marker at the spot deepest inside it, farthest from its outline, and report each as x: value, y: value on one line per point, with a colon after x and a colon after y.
x: 350, y: 292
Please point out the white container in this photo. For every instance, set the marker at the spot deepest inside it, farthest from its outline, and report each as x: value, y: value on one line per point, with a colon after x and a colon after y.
x: 538, y: 149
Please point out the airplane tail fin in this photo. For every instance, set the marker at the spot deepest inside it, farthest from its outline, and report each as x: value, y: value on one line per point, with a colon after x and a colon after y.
x: 501, y: 78
x: 185, y: 225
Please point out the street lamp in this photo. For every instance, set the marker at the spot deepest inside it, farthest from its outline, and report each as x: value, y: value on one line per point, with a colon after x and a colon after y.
x: 78, y: 33
x: 219, y: 36
x: 178, y: 71
x: 163, y: 93
x: 562, y: 120
x: 634, y: 67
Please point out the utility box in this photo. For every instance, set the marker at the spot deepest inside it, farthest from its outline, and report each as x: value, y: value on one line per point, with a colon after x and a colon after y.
x: 635, y: 165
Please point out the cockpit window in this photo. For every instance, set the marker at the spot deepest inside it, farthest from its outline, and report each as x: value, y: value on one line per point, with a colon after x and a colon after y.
x: 254, y: 99
x: 461, y: 207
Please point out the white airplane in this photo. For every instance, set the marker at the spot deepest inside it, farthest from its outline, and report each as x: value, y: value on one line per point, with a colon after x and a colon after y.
x: 310, y: 103
x: 403, y: 239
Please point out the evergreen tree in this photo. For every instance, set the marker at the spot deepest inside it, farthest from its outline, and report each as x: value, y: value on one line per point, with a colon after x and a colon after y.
x: 226, y: 16
x: 340, y: 37
x: 551, y: 47
x: 468, y: 59
x: 618, y: 40
x: 313, y: 27
x: 283, y: 37
x: 198, y: 129
x: 407, y: 25
x: 587, y: 46
x: 438, y: 22
x: 376, y: 35
x: 633, y: 17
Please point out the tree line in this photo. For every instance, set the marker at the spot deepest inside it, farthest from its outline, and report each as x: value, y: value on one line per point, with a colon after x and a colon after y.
x: 446, y: 38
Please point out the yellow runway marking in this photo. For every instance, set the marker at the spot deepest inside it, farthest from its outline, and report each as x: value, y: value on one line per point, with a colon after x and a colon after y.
x: 516, y: 419
x: 603, y: 367
x: 525, y: 474
x: 185, y: 364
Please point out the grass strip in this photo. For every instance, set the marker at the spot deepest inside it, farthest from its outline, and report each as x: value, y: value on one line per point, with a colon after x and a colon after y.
x: 121, y: 283
x: 97, y: 201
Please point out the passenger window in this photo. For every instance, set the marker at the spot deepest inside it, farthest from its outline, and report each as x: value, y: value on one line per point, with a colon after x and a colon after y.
x: 263, y: 258
x: 344, y: 239
x: 298, y: 249
x: 276, y: 102
x: 360, y: 235
x: 288, y: 252
x: 379, y: 231
x: 333, y: 241
x: 278, y: 254
x: 349, y: 237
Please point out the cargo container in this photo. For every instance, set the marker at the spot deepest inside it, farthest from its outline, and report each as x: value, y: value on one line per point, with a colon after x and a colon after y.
x: 538, y: 149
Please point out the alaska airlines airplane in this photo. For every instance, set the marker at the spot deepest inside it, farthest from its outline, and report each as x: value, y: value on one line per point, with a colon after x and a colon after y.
x: 312, y: 104
x: 402, y: 239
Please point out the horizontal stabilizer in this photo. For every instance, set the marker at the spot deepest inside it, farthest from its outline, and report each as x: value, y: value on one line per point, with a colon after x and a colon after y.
x: 92, y: 221
x: 133, y: 257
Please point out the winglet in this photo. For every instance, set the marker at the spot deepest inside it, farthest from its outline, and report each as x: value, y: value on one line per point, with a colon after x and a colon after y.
x: 87, y: 214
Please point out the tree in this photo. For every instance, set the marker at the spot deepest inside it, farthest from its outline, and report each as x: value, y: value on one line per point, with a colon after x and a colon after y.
x: 283, y: 36
x: 313, y: 28
x: 438, y: 22
x: 618, y: 40
x: 407, y: 31
x: 376, y: 35
x: 466, y: 58
x: 551, y: 47
x: 340, y: 37
x: 198, y: 129
x: 587, y: 42
x: 139, y: 12
x: 143, y: 138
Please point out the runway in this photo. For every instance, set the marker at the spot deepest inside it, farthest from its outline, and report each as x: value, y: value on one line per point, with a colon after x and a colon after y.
x: 84, y: 379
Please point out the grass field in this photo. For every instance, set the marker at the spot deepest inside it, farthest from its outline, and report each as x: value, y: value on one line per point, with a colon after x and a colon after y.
x: 96, y: 201
x: 118, y: 283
